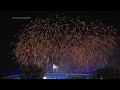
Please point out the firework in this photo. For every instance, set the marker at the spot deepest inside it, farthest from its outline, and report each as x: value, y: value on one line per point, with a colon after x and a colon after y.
x: 63, y: 40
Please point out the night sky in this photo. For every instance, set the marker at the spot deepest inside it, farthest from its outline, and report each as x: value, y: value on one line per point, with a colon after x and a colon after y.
x: 10, y: 26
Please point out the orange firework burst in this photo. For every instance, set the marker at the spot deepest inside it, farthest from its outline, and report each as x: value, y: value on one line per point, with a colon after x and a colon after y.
x: 65, y: 40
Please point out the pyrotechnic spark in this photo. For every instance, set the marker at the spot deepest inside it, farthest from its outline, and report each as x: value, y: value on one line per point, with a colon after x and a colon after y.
x: 65, y: 40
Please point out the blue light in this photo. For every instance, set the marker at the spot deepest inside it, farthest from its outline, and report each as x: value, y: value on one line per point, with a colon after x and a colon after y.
x: 57, y: 77
x: 17, y: 78
x: 16, y: 71
x: 88, y: 71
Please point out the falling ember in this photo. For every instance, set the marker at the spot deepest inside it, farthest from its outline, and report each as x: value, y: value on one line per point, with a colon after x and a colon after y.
x: 65, y: 40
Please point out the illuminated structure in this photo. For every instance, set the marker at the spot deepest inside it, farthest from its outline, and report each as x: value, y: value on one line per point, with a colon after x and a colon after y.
x: 55, y: 68
x: 66, y: 76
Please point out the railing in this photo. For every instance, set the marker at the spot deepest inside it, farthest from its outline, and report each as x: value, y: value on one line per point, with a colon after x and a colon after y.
x: 66, y: 76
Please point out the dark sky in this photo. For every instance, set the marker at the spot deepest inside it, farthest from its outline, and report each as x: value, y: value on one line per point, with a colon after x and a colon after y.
x: 9, y: 27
